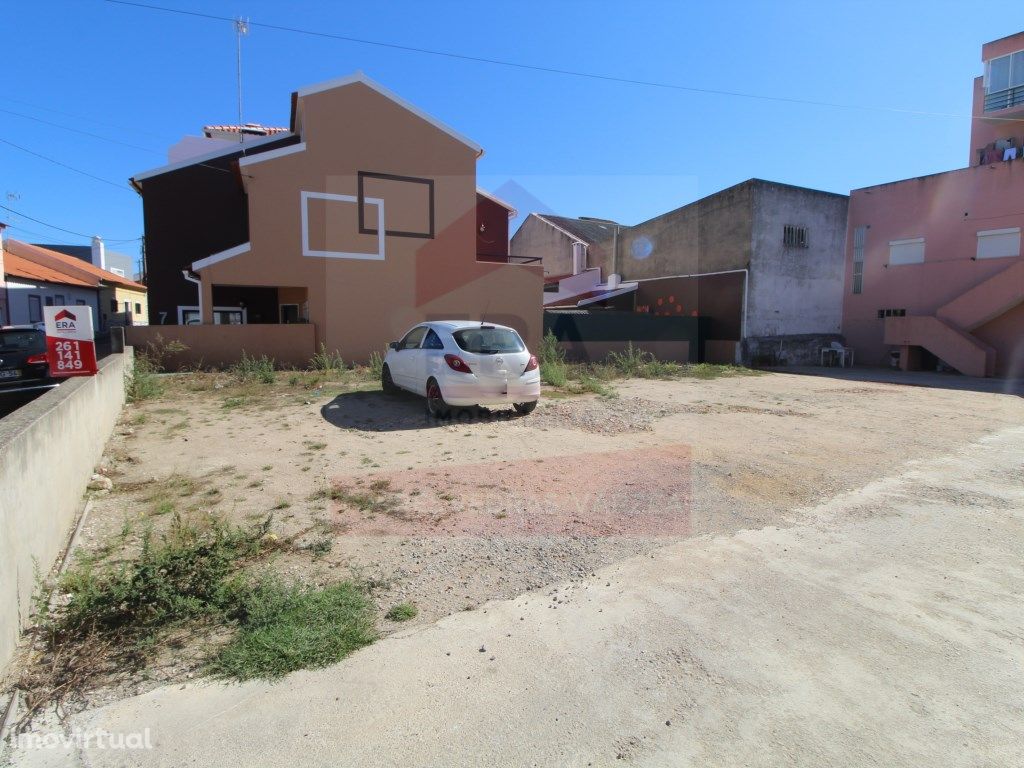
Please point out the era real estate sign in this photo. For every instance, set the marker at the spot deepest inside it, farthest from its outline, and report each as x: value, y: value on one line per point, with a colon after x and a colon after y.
x: 70, y: 348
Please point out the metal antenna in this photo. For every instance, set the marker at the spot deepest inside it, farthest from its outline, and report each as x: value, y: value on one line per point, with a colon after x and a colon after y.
x: 241, y: 30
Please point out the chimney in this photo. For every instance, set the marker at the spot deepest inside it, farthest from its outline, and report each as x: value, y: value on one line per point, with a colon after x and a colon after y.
x: 99, y: 253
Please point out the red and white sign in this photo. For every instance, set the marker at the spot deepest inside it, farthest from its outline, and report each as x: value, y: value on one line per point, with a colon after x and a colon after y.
x: 70, y: 347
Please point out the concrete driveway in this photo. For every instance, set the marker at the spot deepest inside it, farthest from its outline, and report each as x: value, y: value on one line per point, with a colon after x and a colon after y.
x: 887, y: 631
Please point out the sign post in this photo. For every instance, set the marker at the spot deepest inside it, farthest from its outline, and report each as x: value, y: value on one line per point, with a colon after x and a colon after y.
x: 70, y: 347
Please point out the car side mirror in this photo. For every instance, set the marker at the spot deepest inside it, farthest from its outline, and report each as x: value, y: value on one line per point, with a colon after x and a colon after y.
x: 393, y: 345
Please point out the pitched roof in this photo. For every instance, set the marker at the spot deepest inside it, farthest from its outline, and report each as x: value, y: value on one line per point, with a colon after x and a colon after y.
x: 68, y: 265
x: 15, y: 266
x: 590, y: 231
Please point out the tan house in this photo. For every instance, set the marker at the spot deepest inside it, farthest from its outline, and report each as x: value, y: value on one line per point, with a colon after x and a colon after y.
x: 360, y: 221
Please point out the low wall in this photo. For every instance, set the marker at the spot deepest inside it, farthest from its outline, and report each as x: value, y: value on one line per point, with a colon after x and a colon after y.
x: 598, y: 351
x: 796, y: 349
x: 589, y: 336
x: 48, y: 450
x: 219, y: 346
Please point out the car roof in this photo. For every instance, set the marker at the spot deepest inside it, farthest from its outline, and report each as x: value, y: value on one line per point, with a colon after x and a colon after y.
x: 458, y: 325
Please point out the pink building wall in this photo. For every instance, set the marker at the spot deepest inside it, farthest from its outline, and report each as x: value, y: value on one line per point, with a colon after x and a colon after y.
x: 948, y: 210
x: 999, y: 124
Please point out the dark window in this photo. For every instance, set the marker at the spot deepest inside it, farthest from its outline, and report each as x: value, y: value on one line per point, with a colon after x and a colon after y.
x: 550, y: 287
x: 794, y: 236
x: 433, y: 341
x: 138, y: 308
x: 35, y: 309
x: 23, y: 340
x: 488, y: 340
x: 49, y: 301
x: 883, y: 313
x: 80, y: 302
x: 860, y: 236
x: 113, y: 305
x: 413, y: 338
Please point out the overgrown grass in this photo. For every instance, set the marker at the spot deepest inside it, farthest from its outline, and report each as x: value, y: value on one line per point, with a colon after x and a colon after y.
x: 258, y: 370
x: 402, y: 612
x: 326, y: 361
x: 375, y: 364
x: 553, y: 369
x: 112, y: 614
x: 141, y: 381
x: 282, y: 628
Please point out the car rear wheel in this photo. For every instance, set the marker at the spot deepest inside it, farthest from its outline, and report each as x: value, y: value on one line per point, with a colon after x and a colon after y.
x: 436, y: 406
x: 386, y: 382
x: 525, y: 408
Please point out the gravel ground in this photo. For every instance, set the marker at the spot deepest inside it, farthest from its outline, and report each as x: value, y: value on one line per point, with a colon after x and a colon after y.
x: 491, y: 506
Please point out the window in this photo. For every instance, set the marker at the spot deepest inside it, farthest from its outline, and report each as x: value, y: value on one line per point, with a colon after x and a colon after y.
x: 998, y: 243
x: 117, y: 271
x: 433, y: 341
x: 49, y: 301
x: 794, y: 237
x: 35, y: 309
x: 1005, y: 72
x: 906, y: 251
x: 113, y: 305
x: 59, y: 299
x: 882, y: 313
x: 138, y: 308
x: 488, y: 340
x: 860, y: 236
x: 413, y: 338
x: 550, y: 287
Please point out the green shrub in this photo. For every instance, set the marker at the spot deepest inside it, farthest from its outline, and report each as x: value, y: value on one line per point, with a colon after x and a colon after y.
x: 553, y: 369
x: 326, y: 361
x: 254, y: 369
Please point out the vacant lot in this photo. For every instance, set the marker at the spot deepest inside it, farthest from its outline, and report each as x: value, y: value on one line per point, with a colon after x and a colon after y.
x: 449, y: 515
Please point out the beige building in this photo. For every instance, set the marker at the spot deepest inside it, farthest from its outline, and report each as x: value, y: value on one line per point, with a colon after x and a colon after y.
x: 361, y: 221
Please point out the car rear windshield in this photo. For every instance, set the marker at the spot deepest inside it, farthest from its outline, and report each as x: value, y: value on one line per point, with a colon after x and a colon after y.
x: 488, y: 340
x: 27, y: 340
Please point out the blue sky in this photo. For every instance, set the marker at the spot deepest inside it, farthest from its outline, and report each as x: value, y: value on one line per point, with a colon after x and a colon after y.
x: 576, y: 146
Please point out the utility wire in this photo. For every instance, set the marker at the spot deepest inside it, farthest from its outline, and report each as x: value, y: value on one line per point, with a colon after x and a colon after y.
x: 78, y: 117
x: 62, y: 229
x: 65, y: 165
x: 78, y: 130
x: 558, y: 71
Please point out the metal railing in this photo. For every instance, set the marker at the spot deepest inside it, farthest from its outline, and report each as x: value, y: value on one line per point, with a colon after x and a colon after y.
x: 509, y: 259
x: 1011, y: 97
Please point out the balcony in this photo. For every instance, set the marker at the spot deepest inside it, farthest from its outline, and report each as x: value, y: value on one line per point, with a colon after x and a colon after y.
x: 1011, y: 97
x: 507, y: 259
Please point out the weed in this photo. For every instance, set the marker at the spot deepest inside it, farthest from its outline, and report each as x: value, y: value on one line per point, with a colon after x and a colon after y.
x: 375, y: 364
x: 282, y: 505
x: 553, y: 370
x: 267, y: 467
x: 326, y: 361
x: 402, y: 612
x: 590, y: 383
x: 315, y: 446
x: 282, y: 628
x: 259, y: 370
x: 320, y: 547
x: 141, y: 382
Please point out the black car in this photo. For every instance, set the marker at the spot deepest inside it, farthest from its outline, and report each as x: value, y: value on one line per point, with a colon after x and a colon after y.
x: 23, y: 359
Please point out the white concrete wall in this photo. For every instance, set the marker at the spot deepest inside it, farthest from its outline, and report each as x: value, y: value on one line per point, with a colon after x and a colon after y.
x: 48, y: 450
x: 19, y: 289
x: 796, y: 290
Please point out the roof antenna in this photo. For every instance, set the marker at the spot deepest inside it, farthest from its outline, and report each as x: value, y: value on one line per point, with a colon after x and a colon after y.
x: 241, y: 30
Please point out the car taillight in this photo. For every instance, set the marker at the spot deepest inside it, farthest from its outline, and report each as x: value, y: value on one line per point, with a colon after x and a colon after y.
x: 532, y: 365
x: 36, y: 359
x: 456, y: 363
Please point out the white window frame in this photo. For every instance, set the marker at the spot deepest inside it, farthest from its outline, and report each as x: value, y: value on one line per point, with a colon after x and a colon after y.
x: 305, y: 196
x: 911, y: 241
x: 182, y: 309
x: 987, y: 83
x: 1008, y: 235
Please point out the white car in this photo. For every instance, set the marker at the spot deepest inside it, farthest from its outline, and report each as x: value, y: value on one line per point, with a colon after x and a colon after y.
x: 463, y: 363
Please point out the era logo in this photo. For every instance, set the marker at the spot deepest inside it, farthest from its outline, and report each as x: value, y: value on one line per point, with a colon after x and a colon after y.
x: 65, y: 320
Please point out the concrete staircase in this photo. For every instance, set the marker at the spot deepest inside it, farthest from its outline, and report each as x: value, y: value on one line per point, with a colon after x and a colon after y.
x: 947, y: 334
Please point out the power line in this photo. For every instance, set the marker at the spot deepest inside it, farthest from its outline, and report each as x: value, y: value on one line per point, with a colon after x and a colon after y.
x: 78, y: 130
x: 65, y: 165
x: 62, y: 229
x: 77, y: 117
x: 556, y: 70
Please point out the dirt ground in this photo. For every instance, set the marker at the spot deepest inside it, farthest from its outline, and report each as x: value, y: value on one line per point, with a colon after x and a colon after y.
x: 450, y: 515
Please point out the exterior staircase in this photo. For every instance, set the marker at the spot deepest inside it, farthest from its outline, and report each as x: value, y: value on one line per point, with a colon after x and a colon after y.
x: 947, y: 334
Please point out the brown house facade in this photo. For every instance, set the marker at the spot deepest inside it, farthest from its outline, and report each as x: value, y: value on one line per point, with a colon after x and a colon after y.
x: 360, y: 221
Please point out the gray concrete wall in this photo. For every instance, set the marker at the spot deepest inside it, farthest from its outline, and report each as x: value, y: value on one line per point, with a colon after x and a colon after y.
x: 796, y: 290
x: 710, y: 235
x: 48, y: 450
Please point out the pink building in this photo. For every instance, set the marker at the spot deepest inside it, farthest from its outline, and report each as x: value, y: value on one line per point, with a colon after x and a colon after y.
x: 933, y: 266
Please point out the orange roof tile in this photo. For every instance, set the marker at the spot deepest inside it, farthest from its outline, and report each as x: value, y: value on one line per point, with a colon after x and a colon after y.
x: 69, y: 265
x: 15, y: 266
